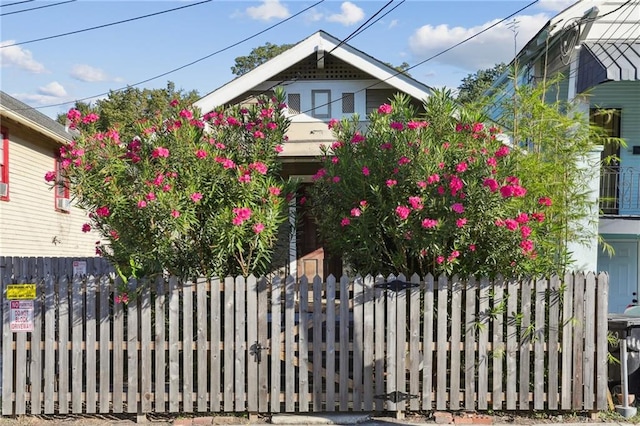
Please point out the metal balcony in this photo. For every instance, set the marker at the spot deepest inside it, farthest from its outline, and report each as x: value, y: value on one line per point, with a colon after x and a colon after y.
x: 619, y: 191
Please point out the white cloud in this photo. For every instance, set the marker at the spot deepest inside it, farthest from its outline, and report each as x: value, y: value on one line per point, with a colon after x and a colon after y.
x: 350, y: 14
x: 54, y: 89
x: 269, y: 9
x: 393, y: 23
x: 16, y: 56
x: 481, y: 52
x: 88, y: 73
x: 555, y: 5
x: 313, y: 15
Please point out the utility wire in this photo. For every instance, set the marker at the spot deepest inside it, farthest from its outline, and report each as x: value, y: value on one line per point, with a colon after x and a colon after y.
x: 183, y: 66
x: 33, y: 8
x: 354, y: 34
x: 105, y: 25
x: 433, y: 56
x: 16, y: 3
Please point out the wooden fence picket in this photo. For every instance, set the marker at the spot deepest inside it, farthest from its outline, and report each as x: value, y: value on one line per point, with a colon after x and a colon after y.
x: 263, y: 345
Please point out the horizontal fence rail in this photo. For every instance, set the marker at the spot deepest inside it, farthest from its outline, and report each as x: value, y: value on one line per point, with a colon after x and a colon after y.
x: 297, y: 345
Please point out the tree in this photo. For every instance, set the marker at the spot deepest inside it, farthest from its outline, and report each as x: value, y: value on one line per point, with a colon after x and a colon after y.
x: 258, y: 56
x: 185, y: 195
x: 261, y: 54
x: 444, y: 193
x: 473, y: 86
x: 122, y: 109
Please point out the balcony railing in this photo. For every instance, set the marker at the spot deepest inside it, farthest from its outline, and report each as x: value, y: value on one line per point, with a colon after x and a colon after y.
x: 620, y: 191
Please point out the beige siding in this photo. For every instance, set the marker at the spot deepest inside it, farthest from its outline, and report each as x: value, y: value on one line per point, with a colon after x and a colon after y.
x: 30, y: 224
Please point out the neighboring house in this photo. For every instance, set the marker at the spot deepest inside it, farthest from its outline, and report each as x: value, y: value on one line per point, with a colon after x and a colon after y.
x: 323, y: 79
x: 35, y: 219
x: 595, y: 45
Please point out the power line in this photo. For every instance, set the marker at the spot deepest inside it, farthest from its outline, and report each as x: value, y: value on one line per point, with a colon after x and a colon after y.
x: 353, y: 34
x: 16, y: 3
x: 33, y: 8
x: 105, y: 25
x: 433, y: 56
x: 186, y: 65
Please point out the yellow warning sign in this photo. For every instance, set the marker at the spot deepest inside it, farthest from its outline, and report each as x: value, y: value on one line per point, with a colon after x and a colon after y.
x: 21, y: 291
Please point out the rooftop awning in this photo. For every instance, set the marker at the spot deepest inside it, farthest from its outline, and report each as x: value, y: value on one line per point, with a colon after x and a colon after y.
x: 608, y: 61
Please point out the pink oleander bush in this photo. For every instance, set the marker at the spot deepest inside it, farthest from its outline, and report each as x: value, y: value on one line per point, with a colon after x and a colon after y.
x: 189, y: 195
x: 429, y: 196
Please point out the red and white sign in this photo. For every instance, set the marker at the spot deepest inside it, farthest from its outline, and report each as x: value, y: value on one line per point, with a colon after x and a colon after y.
x: 21, y: 315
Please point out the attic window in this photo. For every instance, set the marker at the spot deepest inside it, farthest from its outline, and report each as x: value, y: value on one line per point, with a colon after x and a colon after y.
x: 321, y: 103
x: 348, y: 103
x: 293, y: 102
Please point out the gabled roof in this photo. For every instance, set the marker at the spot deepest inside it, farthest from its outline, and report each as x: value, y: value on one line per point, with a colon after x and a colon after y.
x: 320, y: 41
x: 18, y: 111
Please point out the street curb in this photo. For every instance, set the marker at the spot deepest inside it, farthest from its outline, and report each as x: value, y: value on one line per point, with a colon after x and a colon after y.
x: 320, y: 419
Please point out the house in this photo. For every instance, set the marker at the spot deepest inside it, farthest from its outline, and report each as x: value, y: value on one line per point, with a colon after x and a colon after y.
x: 595, y: 46
x: 35, y: 219
x: 324, y: 78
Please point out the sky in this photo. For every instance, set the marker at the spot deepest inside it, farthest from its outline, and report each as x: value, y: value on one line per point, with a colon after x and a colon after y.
x: 49, y: 56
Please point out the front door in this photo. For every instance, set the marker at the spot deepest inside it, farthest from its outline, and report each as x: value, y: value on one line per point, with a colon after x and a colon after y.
x: 623, y: 274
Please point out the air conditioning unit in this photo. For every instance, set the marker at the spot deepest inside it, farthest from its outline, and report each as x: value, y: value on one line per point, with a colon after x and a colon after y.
x: 63, y: 204
x: 4, y: 189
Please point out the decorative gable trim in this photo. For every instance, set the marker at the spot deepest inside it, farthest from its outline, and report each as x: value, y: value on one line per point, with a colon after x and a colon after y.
x: 320, y: 43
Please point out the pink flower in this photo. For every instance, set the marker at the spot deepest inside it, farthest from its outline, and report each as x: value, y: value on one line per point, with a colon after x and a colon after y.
x: 502, y: 151
x: 472, y: 247
x: 522, y: 218
x: 74, y: 115
x: 142, y: 204
x: 477, y: 127
x: 196, y: 196
x: 416, y: 203
x: 186, y: 114
x: 458, y: 208
x: 539, y: 216
x: 201, y: 153
x: 506, y: 191
x: 433, y: 179
x: 333, y: 123
x: 545, y: 201
x: 454, y: 254
x: 422, y: 184
x: 386, y: 146
x: 160, y: 152
x: 175, y: 213
x: 462, y: 167
x: 363, y: 203
x: 403, y: 212
x: 90, y: 118
x: 429, y: 223
x: 50, y: 176
x: 345, y: 222
x: 114, y: 234
x: 258, y: 228
x: 385, y: 109
x: 440, y: 259
x: 511, y: 224
x: 391, y: 182
x: 335, y: 160
x: 461, y: 222
x: 491, y: 161
x: 357, y: 138
x: 242, y: 214
x: 336, y: 179
x: 174, y: 103
x: 259, y: 167
x: 274, y: 190
x: 526, y: 245
x: 151, y: 196
x: 258, y: 134
x: 455, y: 185
x: 103, y: 211
x: 86, y: 227
x: 365, y: 171
x: 396, y: 125
x: 403, y: 160
x: 492, y: 184
x: 355, y: 212
x: 166, y: 188
x: 278, y: 148
x: 525, y: 231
